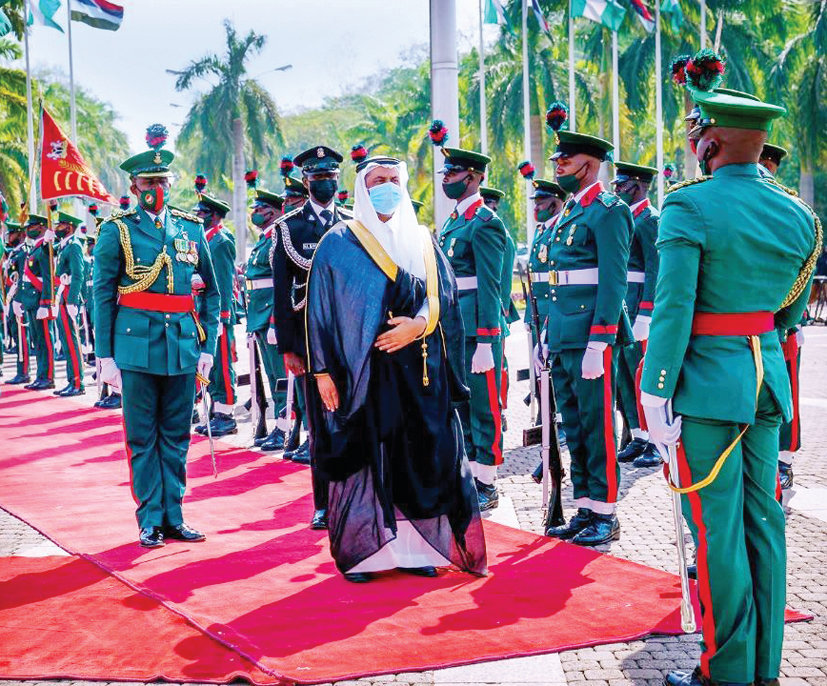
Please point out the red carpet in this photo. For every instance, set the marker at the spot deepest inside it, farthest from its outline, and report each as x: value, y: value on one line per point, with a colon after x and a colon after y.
x: 63, y: 617
x: 265, y: 585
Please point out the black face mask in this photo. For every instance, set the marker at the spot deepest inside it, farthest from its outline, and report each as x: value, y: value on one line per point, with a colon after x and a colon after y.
x: 323, y: 190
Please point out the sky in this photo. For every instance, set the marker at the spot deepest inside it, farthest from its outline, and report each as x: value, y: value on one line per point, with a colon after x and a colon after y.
x: 332, y: 45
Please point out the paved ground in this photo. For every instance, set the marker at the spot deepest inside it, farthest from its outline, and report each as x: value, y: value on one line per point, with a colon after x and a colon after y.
x: 646, y: 538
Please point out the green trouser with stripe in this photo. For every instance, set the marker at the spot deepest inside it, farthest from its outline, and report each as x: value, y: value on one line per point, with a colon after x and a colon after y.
x: 44, y: 351
x: 222, y: 375
x: 627, y: 364
x: 67, y: 329
x: 739, y: 535
x: 273, y: 368
x: 790, y: 435
x: 156, y: 416
x: 587, y: 409
x: 481, y: 416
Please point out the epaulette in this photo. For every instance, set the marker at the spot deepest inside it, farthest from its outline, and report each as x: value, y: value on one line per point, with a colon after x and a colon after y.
x: 117, y: 214
x: 485, y: 213
x: 608, y: 199
x: 688, y: 182
x: 786, y: 189
x: 185, y: 215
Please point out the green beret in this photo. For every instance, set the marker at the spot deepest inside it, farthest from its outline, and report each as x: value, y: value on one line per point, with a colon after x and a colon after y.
x: 37, y: 219
x: 208, y: 203
x: 570, y: 143
x: 773, y: 152
x: 626, y: 171
x: 734, y: 111
x: 491, y: 193
x: 294, y: 188
x: 69, y: 219
x: 547, y: 189
x: 457, y: 159
x: 318, y: 159
x: 269, y: 198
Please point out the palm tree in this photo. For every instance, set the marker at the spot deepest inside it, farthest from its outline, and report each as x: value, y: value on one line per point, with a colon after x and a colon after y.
x: 236, y: 117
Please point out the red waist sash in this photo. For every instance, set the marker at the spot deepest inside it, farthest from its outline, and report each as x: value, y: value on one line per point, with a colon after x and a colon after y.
x: 732, y: 323
x: 157, y: 302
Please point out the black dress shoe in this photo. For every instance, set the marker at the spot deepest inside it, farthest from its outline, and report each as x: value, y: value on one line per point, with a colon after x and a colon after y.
x: 603, y: 528
x: 581, y: 519
x: 72, y: 392
x: 294, y: 439
x: 503, y: 423
x: 20, y: 378
x: 760, y: 681
x: 692, y: 571
x: 223, y: 424
x: 67, y: 387
x: 430, y: 572
x: 195, y: 417
x: 151, y: 537
x: 274, y: 441
x: 357, y: 577
x: 693, y: 678
x: 288, y: 454
x: 319, y: 520
x: 300, y: 455
x: 41, y: 385
x: 111, y: 402
x: 183, y: 533
x: 785, y: 475
x: 634, y: 448
x: 487, y: 495
x: 649, y: 458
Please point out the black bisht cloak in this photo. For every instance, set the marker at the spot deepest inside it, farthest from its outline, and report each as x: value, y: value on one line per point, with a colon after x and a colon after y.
x: 394, y: 447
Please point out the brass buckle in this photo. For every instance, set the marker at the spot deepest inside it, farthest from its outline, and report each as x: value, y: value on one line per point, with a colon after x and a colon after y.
x: 552, y: 277
x: 249, y: 284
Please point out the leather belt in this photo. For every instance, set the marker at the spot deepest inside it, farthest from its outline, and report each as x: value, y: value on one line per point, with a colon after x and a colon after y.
x: 157, y: 302
x: 732, y: 323
x: 467, y: 283
x: 256, y: 284
x: 635, y: 277
x: 571, y: 277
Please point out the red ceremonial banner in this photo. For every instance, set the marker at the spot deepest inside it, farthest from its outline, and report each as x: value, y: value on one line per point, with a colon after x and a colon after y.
x: 63, y: 171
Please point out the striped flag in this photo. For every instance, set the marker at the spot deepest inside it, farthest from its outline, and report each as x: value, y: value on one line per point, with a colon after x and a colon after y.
x: 672, y: 9
x: 644, y: 14
x: 5, y: 24
x: 606, y: 12
x: 100, y: 14
x: 541, y: 20
x: 43, y: 12
x: 494, y: 12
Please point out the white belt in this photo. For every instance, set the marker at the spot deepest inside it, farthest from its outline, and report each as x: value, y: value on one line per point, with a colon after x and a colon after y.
x: 66, y: 279
x: 256, y: 284
x: 467, y: 283
x: 635, y: 277
x: 90, y: 282
x: 571, y: 277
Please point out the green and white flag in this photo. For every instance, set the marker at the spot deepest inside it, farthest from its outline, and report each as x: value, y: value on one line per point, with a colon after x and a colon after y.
x: 5, y: 24
x: 43, y: 11
x: 606, y: 12
x: 672, y: 9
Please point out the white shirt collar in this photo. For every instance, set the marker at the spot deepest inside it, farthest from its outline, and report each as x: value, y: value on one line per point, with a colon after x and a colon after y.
x: 577, y: 198
x: 463, y: 205
x: 64, y: 241
x: 161, y: 217
x: 637, y: 204
x: 331, y: 207
x: 552, y: 221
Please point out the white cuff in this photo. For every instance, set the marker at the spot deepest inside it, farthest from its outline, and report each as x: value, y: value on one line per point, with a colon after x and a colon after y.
x: 649, y: 400
x: 597, y: 345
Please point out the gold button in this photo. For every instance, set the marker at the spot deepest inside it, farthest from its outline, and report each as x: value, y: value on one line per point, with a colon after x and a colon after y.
x: 660, y: 385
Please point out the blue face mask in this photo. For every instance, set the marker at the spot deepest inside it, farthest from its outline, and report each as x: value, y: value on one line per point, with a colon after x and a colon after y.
x: 385, y: 197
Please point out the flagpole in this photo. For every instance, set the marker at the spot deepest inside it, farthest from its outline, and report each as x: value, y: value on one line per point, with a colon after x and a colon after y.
x: 615, y: 99
x: 703, y: 24
x: 572, y: 108
x: 72, y: 104
x: 529, y: 224
x: 29, y: 110
x: 483, y: 112
x: 658, y: 105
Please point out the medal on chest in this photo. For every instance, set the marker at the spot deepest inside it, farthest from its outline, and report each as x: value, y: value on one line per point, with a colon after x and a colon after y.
x: 185, y: 249
x: 450, y: 252
x: 542, y: 253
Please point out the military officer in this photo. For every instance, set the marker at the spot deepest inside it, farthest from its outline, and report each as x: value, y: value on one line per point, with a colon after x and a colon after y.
x: 18, y: 323
x: 474, y: 240
x: 771, y: 156
x: 724, y: 284
x: 299, y: 232
x: 37, y: 298
x: 150, y: 340
x: 587, y: 323
x: 631, y: 185
x: 295, y: 194
x: 223, y: 377
x: 71, y: 273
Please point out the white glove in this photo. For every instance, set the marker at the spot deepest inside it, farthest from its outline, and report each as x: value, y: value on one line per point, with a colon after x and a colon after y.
x: 72, y: 310
x: 110, y: 374
x: 53, y: 311
x: 65, y: 279
x: 17, y: 308
x: 204, y: 365
x: 42, y: 313
x: 799, y: 336
x: 271, y: 336
x: 483, y: 359
x: 538, y: 359
x: 660, y: 429
x: 640, y: 330
x: 49, y: 235
x: 220, y: 331
x: 592, y: 365
x: 197, y: 282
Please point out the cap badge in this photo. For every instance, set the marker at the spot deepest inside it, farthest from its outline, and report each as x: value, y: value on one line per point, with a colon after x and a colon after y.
x: 157, y: 158
x: 319, y: 152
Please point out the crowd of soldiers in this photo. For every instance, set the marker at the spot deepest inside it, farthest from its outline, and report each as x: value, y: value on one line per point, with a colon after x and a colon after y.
x: 610, y: 282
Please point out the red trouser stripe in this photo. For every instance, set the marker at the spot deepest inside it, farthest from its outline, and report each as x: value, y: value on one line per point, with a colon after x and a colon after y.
x: 779, y: 494
x: 23, y: 345
x: 504, y: 381
x: 704, y: 590
x: 791, y: 353
x: 128, y: 456
x: 608, y: 428
x: 641, y: 415
x: 70, y: 343
x: 494, y: 406
x: 225, y: 370
x: 50, y: 351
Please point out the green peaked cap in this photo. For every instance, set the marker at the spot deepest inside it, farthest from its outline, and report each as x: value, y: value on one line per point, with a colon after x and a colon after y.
x: 36, y: 219
x: 12, y: 227
x: 293, y: 188
x: 543, y: 188
x: 626, y: 171
x: 488, y: 192
x: 572, y: 143
x: 69, y: 219
x: 417, y: 205
x: 457, y: 159
x: 773, y: 152
x: 269, y: 198
x: 209, y: 203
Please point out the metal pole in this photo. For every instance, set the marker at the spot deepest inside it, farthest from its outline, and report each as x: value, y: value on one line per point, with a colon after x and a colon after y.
x: 72, y: 105
x: 444, y: 90
x: 572, y: 107
x: 658, y: 106
x: 483, y: 110
x: 529, y: 213
x: 703, y: 24
x: 615, y: 100
x: 29, y: 110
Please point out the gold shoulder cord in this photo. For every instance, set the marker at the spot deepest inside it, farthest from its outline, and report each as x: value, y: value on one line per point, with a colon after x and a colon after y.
x: 143, y: 276
x: 688, y: 182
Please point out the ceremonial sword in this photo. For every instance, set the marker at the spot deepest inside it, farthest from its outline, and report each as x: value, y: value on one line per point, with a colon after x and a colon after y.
x: 204, y: 383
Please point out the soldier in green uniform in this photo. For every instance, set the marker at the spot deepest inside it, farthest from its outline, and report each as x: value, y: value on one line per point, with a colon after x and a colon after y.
x: 474, y: 240
x: 631, y: 185
x: 295, y: 194
x: 727, y: 278
x: 771, y: 156
x: 586, y: 326
x: 223, y: 377
x: 15, y: 263
x: 150, y: 340
x: 71, y: 273
x: 37, y: 298
x: 86, y: 295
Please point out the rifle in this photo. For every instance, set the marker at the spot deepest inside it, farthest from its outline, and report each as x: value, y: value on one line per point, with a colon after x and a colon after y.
x: 258, y: 399
x: 548, y: 438
x: 532, y: 328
